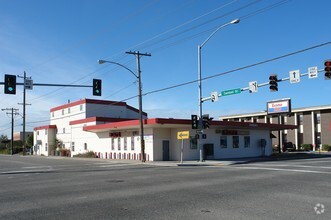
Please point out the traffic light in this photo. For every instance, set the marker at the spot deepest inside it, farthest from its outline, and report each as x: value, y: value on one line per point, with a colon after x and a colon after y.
x: 273, y: 83
x: 194, y: 121
x: 327, y: 69
x: 10, y: 84
x: 205, y: 121
x: 97, y: 87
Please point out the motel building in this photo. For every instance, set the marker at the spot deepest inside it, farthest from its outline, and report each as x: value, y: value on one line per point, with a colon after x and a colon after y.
x: 111, y: 130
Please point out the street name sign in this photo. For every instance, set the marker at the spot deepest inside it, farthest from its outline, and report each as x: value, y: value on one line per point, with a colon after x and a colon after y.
x: 231, y: 92
x: 295, y: 76
x: 312, y: 72
x: 181, y: 135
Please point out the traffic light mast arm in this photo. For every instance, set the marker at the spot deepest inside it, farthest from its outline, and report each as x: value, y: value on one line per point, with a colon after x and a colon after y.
x: 45, y: 84
x: 261, y: 85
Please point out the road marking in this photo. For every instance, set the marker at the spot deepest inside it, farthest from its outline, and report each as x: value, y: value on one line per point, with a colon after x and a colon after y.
x: 25, y: 171
x: 118, y: 165
x: 39, y: 167
x: 291, y: 165
x: 279, y: 169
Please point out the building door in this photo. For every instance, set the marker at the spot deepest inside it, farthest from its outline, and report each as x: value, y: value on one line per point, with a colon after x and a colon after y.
x: 165, y: 150
x: 208, y: 151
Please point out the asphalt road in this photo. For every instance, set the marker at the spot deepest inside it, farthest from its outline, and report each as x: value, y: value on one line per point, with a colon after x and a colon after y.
x: 50, y: 188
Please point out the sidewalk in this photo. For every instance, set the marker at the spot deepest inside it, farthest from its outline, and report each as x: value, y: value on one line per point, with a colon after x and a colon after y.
x: 233, y: 161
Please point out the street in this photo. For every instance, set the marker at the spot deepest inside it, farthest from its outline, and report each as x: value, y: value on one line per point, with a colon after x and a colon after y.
x: 63, y: 188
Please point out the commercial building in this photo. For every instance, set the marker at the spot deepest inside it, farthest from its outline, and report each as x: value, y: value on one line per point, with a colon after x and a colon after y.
x: 111, y: 130
x: 313, y: 125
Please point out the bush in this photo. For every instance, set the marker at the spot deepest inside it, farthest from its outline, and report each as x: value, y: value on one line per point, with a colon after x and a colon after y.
x: 326, y: 147
x: 89, y: 154
x: 307, y: 147
x: 4, y: 151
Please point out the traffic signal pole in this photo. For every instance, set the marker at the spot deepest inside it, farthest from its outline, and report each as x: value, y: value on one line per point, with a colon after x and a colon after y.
x: 24, y: 84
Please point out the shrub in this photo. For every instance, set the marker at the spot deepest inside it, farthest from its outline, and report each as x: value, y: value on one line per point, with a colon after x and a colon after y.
x: 326, y: 147
x: 89, y: 154
x: 307, y: 147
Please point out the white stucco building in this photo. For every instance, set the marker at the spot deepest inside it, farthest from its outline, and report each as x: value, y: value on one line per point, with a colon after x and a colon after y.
x: 111, y: 130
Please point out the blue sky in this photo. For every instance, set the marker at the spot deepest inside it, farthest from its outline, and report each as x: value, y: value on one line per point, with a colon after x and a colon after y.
x: 60, y: 42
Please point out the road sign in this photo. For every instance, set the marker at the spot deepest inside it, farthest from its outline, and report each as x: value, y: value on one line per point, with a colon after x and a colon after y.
x: 295, y: 76
x: 181, y: 135
x: 28, y: 84
x: 214, y: 96
x: 312, y: 72
x: 252, y: 86
x: 231, y: 92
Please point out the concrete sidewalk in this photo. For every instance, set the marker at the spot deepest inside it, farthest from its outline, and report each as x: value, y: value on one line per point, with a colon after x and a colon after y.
x: 233, y: 161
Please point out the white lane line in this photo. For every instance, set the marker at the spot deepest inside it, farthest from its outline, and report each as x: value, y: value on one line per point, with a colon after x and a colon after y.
x: 25, y: 171
x: 117, y: 165
x: 279, y: 169
x: 291, y: 165
x: 37, y: 167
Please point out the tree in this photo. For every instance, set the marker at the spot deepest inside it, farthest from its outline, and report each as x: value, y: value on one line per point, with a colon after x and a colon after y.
x: 29, y: 141
x: 3, y: 141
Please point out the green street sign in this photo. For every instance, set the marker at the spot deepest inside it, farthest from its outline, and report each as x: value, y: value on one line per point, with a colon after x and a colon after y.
x: 231, y: 92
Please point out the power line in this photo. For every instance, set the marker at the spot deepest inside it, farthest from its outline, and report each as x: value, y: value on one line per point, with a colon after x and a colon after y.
x: 240, y: 68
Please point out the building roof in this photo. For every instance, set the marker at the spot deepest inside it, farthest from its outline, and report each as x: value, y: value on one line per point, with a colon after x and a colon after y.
x: 98, y: 119
x: 45, y: 127
x: 95, y: 101
x: 180, y: 123
x: 263, y: 113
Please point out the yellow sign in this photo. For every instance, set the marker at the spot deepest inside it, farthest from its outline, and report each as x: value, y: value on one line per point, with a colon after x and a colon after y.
x: 181, y: 135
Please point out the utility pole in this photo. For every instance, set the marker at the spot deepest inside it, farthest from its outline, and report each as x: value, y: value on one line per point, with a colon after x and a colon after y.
x: 142, y: 141
x: 24, y: 112
x: 13, y: 111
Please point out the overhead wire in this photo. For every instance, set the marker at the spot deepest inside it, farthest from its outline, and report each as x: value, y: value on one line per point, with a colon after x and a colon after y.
x: 228, y: 72
x: 241, y: 68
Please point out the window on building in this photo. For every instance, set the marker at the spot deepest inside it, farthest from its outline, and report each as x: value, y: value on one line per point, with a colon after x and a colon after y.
x: 64, y: 130
x: 68, y: 110
x: 193, y: 143
x: 52, y: 114
x: 300, y: 119
x: 81, y: 108
x: 118, y: 143
x: 132, y: 143
x: 62, y: 111
x: 318, y: 118
x: 46, y: 131
x: 247, y: 141
x: 235, y: 141
x: 112, y: 143
x: 46, y: 147
x: 85, y: 146
x: 125, y: 143
x: 72, y: 146
x: 37, y: 132
x: 224, y: 141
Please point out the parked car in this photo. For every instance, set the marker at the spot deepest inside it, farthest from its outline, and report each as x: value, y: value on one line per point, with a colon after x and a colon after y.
x: 288, y: 146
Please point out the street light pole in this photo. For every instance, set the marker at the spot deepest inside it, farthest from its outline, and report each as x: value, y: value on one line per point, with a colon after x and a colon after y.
x: 200, y: 127
x: 138, y: 76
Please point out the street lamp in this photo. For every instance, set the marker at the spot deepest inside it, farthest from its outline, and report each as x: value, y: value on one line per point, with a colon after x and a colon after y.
x: 235, y: 21
x: 138, y: 76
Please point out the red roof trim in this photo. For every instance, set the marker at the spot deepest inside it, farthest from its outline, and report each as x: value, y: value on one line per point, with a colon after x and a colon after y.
x: 85, y: 101
x: 95, y: 101
x: 45, y: 127
x: 95, y: 119
x: 188, y: 122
